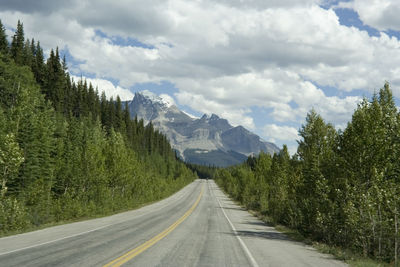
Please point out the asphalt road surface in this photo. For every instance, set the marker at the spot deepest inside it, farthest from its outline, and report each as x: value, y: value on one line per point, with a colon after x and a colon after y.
x: 198, y: 226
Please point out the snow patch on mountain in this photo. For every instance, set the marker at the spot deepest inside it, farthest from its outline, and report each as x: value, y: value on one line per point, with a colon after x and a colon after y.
x: 163, y: 99
x: 190, y: 115
x: 186, y: 133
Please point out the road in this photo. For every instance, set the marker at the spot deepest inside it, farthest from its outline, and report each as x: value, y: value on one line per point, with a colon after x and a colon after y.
x: 197, y: 226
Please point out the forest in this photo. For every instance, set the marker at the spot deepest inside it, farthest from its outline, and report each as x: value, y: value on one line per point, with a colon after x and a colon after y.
x: 67, y: 152
x: 341, y: 187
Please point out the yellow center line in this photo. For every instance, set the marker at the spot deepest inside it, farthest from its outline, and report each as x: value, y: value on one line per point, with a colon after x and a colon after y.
x: 136, y: 251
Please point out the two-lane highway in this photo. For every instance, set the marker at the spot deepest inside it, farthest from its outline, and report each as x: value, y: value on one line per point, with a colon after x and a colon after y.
x: 198, y: 226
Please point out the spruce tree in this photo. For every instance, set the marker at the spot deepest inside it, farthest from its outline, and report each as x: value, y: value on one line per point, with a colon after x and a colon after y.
x: 64, y: 173
x: 39, y: 68
x: 17, y: 44
x: 3, y: 40
x: 28, y: 56
x: 118, y: 114
x: 91, y: 101
x: 103, y: 109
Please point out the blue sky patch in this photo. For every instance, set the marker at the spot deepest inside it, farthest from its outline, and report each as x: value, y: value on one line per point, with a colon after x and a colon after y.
x: 348, y: 17
x: 164, y: 87
x: 120, y: 41
x: 393, y: 33
x: 331, y: 91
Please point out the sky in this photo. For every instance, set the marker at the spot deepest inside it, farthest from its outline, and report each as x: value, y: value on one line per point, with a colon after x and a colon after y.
x: 262, y: 64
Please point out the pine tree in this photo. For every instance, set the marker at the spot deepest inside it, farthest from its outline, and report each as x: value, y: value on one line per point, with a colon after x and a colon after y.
x: 39, y: 67
x: 3, y: 40
x: 129, y: 131
x: 17, y: 44
x: 28, y: 56
x: 33, y: 49
x: 103, y: 108
x: 92, y: 102
x: 55, y: 81
x: 111, y: 114
x: 60, y: 163
x: 118, y: 115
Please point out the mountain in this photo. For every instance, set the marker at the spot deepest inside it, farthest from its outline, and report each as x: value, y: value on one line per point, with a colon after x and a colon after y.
x: 209, y: 140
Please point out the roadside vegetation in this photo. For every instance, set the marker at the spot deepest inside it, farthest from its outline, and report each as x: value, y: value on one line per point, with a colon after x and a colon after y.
x: 67, y: 152
x: 341, y: 188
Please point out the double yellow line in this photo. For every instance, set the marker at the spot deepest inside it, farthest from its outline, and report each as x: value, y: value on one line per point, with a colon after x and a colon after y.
x: 136, y: 251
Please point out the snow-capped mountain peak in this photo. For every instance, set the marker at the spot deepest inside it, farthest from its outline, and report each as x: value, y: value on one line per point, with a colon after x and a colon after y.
x: 164, y: 100
x: 209, y: 140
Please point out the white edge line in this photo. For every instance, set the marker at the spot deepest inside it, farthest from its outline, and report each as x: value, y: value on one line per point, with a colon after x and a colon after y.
x: 246, y: 250
x: 74, y: 235
x: 52, y: 241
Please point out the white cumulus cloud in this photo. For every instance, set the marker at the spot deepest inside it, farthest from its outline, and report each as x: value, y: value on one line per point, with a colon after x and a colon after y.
x: 108, y: 88
x: 382, y: 15
x: 225, y: 57
x: 275, y: 132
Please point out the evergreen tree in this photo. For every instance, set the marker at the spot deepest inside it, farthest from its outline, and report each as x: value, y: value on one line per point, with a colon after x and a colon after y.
x: 3, y: 40
x: 17, y: 44
x: 27, y: 55
x: 129, y: 131
x: 111, y: 122
x: 103, y: 109
x: 118, y: 114
x: 91, y: 101
x: 59, y: 163
x: 55, y: 82
x: 39, y: 67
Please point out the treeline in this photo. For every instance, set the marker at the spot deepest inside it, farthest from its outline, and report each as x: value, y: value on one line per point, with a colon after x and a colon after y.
x: 65, y: 151
x: 341, y: 187
x: 203, y: 171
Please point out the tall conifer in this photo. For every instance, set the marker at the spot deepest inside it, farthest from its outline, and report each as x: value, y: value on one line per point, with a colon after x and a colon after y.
x: 3, y: 39
x: 17, y: 44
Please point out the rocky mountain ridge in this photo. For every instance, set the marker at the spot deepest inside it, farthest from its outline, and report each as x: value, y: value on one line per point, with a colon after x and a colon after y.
x: 209, y: 140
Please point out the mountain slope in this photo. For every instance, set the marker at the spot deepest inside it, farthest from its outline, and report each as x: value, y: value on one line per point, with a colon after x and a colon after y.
x: 208, y: 140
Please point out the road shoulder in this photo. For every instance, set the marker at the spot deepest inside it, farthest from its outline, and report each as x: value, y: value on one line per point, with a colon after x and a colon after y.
x: 268, y: 246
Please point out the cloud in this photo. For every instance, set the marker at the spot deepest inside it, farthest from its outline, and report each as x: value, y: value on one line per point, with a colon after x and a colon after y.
x: 225, y: 57
x: 284, y: 92
x: 382, y: 15
x: 168, y: 99
x: 108, y: 88
x: 274, y: 132
x: 40, y: 6
x: 282, y: 135
x: 263, y: 4
x: 235, y: 115
x: 211, y: 39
